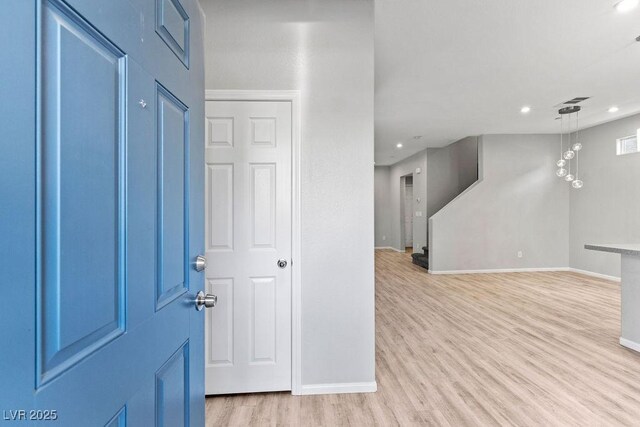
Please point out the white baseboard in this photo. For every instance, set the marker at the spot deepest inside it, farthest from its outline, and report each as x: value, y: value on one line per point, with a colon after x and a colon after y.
x: 528, y: 270
x: 593, y: 274
x: 500, y: 270
x: 339, y: 388
x: 629, y: 344
x: 389, y: 248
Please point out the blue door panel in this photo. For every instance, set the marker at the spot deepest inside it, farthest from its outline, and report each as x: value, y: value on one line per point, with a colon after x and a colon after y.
x: 116, y: 375
x: 119, y: 420
x: 172, y: 141
x: 159, y: 53
x: 121, y: 21
x: 17, y: 192
x: 141, y: 186
x: 174, y: 20
x: 172, y: 385
x: 80, y: 185
x: 195, y: 209
x: 102, y: 184
x: 172, y: 25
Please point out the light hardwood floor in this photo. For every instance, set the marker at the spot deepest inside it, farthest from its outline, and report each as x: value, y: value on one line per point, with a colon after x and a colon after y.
x: 526, y: 349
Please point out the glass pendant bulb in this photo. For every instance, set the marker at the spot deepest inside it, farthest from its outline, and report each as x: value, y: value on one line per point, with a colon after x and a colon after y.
x: 577, y: 146
x: 568, y: 155
x: 561, y: 172
x: 561, y: 163
x: 569, y: 178
x: 577, y: 183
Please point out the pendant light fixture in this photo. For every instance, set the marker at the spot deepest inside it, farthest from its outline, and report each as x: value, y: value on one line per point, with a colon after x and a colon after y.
x: 570, y: 156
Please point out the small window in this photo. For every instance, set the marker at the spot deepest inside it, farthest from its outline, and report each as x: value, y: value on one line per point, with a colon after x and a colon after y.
x: 628, y: 145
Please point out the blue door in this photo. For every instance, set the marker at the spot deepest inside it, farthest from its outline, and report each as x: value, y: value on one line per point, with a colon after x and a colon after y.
x: 101, y: 185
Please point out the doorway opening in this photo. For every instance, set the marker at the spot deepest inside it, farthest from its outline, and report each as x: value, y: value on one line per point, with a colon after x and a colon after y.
x: 406, y: 212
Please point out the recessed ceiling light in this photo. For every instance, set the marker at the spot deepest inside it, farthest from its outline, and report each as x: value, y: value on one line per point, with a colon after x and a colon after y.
x: 626, y: 5
x: 613, y: 109
x: 399, y: 145
x: 525, y: 109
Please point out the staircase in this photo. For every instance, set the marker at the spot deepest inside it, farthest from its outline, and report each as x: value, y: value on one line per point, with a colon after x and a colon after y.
x: 421, y: 259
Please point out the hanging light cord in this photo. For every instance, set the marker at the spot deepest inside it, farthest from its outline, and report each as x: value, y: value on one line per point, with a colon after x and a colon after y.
x: 561, y: 134
x: 569, y: 147
x: 577, y: 140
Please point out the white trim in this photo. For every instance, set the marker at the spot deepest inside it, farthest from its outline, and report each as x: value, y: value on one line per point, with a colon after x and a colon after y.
x: 294, y: 97
x: 500, y: 270
x: 629, y: 344
x: 339, y: 388
x: 387, y: 247
x: 593, y: 274
x: 528, y: 270
x: 259, y: 95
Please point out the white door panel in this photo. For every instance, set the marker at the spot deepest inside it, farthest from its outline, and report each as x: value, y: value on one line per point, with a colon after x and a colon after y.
x: 248, y: 229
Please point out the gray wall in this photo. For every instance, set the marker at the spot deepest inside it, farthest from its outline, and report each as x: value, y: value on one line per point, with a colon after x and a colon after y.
x: 445, y: 173
x: 405, y: 167
x: 466, y: 153
x: 607, y: 208
x: 382, y: 206
x: 517, y: 205
x: 325, y: 50
x: 450, y: 170
x: 442, y: 179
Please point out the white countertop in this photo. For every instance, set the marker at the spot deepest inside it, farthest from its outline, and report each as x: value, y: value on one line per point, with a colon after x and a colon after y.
x: 620, y: 248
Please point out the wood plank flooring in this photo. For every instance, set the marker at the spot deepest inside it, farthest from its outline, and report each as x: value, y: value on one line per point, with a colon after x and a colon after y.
x: 524, y: 349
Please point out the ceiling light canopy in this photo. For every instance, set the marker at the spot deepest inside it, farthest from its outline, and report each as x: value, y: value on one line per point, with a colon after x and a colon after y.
x: 626, y: 5
x: 525, y: 109
x: 399, y: 145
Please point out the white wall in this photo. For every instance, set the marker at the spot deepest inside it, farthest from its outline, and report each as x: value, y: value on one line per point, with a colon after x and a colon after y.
x: 607, y: 208
x: 405, y: 167
x: 517, y: 205
x: 382, y: 207
x: 325, y: 49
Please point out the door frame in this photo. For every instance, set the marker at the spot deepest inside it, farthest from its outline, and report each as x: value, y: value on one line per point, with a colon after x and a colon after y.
x: 403, y: 243
x: 403, y: 213
x: 294, y: 97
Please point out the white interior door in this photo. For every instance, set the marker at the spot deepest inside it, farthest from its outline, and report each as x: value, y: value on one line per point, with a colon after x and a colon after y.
x: 248, y: 230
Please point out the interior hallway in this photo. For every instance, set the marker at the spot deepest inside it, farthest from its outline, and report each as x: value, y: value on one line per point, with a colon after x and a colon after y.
x: 482, y: 349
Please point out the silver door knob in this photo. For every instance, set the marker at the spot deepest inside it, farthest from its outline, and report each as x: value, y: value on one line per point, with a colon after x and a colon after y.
x: 282, y: 263
x: 205, y: 300
x: 200, y: 263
